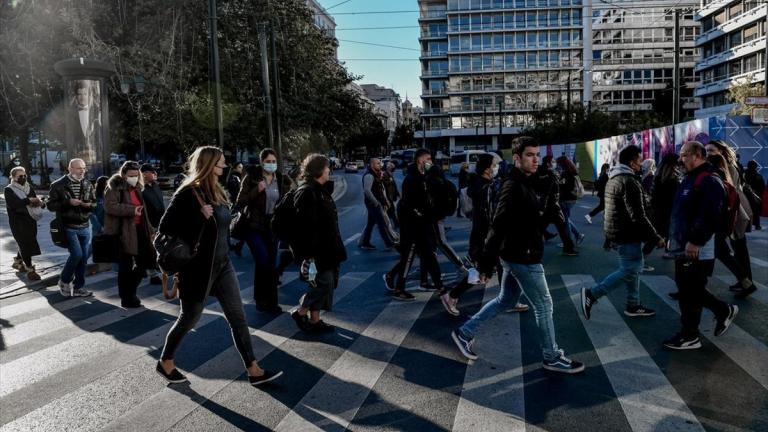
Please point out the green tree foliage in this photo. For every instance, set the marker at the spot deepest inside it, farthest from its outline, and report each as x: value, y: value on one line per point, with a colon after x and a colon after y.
x: 739, y: 93
x: 403, y: 137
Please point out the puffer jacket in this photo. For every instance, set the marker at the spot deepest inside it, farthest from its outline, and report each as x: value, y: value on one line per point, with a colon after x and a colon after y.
x: 118, y: 218
x: 626, y: 219
x: 58, y: 201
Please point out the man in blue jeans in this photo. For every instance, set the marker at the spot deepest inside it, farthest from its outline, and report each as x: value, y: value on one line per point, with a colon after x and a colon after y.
x: 72, y: 198
x: 516, y: 237
x: 626, y: 227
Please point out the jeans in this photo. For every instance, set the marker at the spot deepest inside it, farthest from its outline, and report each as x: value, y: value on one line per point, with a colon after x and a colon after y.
x: 691, y: 279
x: 516, y: 276
x: 79, y: 245
x: 628, y: 274
x: 567, y: 206
x: 376, y: 217
x: 264, y: 251
x: 227, y: 290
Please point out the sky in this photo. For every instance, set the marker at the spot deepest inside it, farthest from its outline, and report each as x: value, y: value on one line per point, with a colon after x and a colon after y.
x: 402, y: 76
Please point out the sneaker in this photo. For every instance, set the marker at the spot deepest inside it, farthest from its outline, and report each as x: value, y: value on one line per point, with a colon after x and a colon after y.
x: 580, y: 238
x: 428, y: 287
x: 464, y: 344
x: 588, y: 218
x: 647, y: 268
x: 743, y: 293
x: 722, y: 325
x: 266, y: 377
x: 587, y: 301
x: 81, y: 292
x: 320, y: 327
x: 155, y: 280
x: 65, y: 288
x: 18, y: 264
x: 450, y: 304
x: 175, y: 377
x: 639, y: 311
x: 131, y: 303
x: 367, y: 247
x: 403, y: 296
x: 570, y: 253
x: 564, y: 365
x: 520, y: 307
x: 678, y: 342
x: 389, y: 281
x: 302, y: 322
x: 33, y: 276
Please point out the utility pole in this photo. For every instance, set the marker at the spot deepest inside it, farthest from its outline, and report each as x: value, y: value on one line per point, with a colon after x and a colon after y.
x: 262, y: 30
x: 423, y: 133
x: 214, y: 54
x: 278, y: 129
x: 676, y: 71
x: 501, y: 124
x: 485, y: 121
x: 568, y: 101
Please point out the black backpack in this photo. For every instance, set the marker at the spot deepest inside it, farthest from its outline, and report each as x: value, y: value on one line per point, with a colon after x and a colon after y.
x: 284, y: 217
x: 449, y: 199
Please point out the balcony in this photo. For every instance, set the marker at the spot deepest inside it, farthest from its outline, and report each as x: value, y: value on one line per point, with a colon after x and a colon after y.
x: 425, y: 35
x: 434, y: 73
x: 744, y: 49
x: 711, y: 8
x: 432, y: 15
x: 524, y: 88
x: 722, y: 83
x: 745, y: 18
x: 643, y: 61
x: 425, y: 55
x: 433, y: 92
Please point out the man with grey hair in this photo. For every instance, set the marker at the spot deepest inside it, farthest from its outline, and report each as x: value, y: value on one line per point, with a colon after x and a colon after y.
x: 377, y: 204
x: 72, y: 198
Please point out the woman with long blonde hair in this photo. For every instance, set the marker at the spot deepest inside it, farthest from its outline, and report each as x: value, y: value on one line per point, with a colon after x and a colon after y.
x: 199, y: 215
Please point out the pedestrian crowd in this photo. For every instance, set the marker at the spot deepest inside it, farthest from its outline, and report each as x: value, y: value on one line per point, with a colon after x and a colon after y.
x: 696, y: 207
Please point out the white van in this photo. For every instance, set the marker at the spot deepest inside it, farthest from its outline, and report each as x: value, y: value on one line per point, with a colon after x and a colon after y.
x: 465, y: 156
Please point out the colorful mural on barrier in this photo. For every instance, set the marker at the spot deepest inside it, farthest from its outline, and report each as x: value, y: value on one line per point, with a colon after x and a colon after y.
x: 748, y: 139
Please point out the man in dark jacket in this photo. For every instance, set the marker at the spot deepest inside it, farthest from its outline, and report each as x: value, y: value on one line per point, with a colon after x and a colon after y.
x: 697, y: 214
x: 417, y: 216
x: 546, y: 184
x: 626, y: 227
x: 516, y: 238
x: 72, y: 198
x: 154, y: 205
x: 377, y: 204
x: 318, y: 245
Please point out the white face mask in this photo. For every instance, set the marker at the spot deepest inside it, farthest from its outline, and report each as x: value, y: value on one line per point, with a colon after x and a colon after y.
x: 133, y: 181
x: 270, y: 167
x: 427, y: 166
x: 495, y: 171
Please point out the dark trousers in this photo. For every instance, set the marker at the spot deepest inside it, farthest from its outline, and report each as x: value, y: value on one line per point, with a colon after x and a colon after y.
x: 27, y: 259
x: 600, y: 207
x: 565, y: 235
x: 376, y: 218
x: 320, y: 295
x: 691, y: 279
x: 227, y: 290
x: 264, y: 251
x: 723, y: 254
x: 741, y: 253
x: 132, y: 269
x: 409, y: 248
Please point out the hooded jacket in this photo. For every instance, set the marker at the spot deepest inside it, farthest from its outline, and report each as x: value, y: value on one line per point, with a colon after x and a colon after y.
x: 626, y: 219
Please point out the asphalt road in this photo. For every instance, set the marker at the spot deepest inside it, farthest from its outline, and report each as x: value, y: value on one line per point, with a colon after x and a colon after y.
x: 87, y: 364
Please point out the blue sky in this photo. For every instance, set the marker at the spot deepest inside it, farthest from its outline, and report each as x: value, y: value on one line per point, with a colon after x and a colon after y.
x: 402, y: 76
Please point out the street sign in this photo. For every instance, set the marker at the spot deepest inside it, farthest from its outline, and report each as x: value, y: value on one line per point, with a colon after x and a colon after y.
x: 760, y: 115
x: 757, y: 100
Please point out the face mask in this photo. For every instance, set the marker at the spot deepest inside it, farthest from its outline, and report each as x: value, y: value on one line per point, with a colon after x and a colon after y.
x: 270, y: 167
x: 133, y: 181
x: 22, y: 180
x: 427, y: 166
x: 495, y: 171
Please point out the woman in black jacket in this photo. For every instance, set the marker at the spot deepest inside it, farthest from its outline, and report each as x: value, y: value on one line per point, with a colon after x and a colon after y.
x: 602, y: 180
x: 261, y: 188
x: 665, y: 186
x: 24, y: 210
x: 568, y: 197
x: 199, y: 215
x: 317, y: 243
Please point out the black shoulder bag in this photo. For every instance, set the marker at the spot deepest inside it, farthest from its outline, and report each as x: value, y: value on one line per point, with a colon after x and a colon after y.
x: 173, y: 253
x: 106, y: 247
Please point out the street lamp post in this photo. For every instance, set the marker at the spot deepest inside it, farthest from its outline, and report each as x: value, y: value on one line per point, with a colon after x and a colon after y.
x: 139, y: 84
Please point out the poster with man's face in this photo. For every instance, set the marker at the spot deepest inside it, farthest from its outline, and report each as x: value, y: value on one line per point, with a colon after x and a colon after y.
x: 84, y: 123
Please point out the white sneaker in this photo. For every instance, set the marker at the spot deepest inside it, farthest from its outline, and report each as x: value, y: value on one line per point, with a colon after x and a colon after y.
x: 66, y: 289
x: 473, y: 276
x: 450, y: 304
x: 588, y: 218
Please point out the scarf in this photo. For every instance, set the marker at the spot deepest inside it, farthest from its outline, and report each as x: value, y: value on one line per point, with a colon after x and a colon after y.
x: 23, y: 192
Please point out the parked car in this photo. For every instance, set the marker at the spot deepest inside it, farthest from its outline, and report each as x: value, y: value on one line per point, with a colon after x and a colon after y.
x: 351, y: 167
x: 360, y: 164
x: 335, y: 163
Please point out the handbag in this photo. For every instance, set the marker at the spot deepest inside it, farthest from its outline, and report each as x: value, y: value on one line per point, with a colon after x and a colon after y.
x: 173, y: 253
x: 239, y: 224
x: 58, y: 236
x: 106, y: 248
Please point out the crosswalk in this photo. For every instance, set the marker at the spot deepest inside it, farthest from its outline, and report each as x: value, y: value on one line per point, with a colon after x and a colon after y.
x: 85, y: 364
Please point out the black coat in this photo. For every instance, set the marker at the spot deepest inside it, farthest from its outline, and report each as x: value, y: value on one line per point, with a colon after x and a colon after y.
x: 662, y: 199
x: 626, y: 220
x: 477, y: 190
x: 416, y: 204
x: 183, y: 219
x: 567, y: 185
x: 58, y: 201
x: 755, y: 181
x: 23, y: 226
x: 545, y: 183
x: 254, y: 202
x: 154, y: 204
x: 318, y: 233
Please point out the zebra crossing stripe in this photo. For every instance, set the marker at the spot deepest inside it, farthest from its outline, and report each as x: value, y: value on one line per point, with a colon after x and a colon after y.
x: 649, y: 401
x: 761, y: 294
x: 758, y: 262
x: 493, y: 396
x: 746, y: 351
x: 335, y: 399
x: 163, y: 409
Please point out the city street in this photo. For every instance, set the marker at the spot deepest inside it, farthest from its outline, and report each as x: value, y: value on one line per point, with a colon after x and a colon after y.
x: 85, y: 364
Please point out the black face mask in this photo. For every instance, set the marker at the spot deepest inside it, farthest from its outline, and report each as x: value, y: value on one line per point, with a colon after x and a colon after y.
x: 22, y: 180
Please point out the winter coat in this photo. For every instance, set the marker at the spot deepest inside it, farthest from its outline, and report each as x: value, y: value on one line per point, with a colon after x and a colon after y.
x: 662, y: 200
x: 697, y: 212
x: 183, y: 219
x: 390, y: 187
x: 516, y: 231
x: 478, y: 188
x: 626, y: 219
x: 443, y: 193
x: 416, y: 204
x: 602, y: 180
x: 253, y: 202
x: 744, y: 215
x: 58, y: 201
x: 755, y: 181
x: 23, y: 226
x: 378, y: 195
x: 154, y: 204
x: 318, y: 234
x: 547, y: 189
x: 118, y: 219
x: 567, y: 186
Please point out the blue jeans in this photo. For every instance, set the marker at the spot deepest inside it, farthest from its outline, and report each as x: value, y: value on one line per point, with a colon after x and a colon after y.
x: 264, y: 252
x: 628, y: 274
x: 567, y: 206
x: 515, y: 277
x: 79, y: 245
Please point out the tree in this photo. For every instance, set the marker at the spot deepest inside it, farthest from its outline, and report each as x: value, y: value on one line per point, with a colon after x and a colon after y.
x: 403, y: 137
x: 739, y: 92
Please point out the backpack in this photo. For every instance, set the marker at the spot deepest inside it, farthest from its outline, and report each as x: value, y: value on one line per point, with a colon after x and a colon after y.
x: 284, y: 216
x: 730, y: 211
x: 448, y: 197
x: 466, y: 202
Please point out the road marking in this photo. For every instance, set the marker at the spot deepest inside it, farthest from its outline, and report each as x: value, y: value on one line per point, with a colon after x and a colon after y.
x: 649, y: 401
x: 337, y: 397
x: 353, y: 238
x: 163, y: 409
x: 493, y: 395
x: 759, y: 262
x: 761, y: 294
x: 743, y: 349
